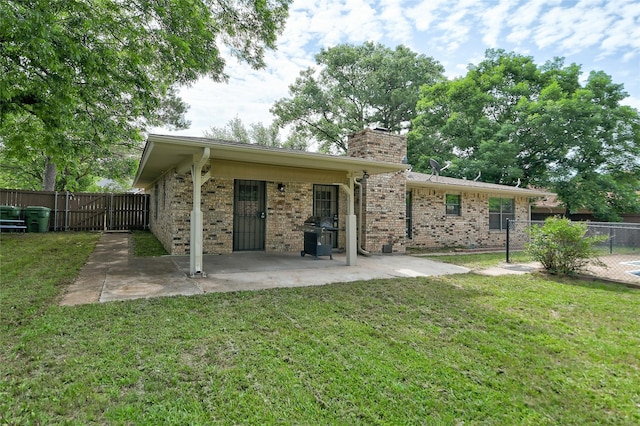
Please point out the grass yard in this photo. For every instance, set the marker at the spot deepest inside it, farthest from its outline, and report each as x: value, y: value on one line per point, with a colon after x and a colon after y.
x: 146, y: 244
x: 462, y: 349
x: 480, y: 260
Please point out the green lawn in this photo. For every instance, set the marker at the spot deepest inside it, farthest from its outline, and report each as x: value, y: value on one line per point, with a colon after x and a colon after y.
x: 463, y: 349
x: 146, y: 244
x: 480, y: 260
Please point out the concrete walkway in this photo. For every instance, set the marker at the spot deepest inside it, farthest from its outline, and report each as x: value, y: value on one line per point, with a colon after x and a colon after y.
x: 510, y: 269
x: 112, y: 273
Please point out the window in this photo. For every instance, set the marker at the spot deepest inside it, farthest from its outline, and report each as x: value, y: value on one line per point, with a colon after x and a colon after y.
x: 500, y: 209
x: 325, y: 200
x: 452, y: 205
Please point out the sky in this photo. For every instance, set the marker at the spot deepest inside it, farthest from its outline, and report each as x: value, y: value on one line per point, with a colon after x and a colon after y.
x: 599, y: 35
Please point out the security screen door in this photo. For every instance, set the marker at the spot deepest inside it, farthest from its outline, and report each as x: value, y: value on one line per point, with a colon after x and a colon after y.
x: 325, y: 204
x: 249, y: 215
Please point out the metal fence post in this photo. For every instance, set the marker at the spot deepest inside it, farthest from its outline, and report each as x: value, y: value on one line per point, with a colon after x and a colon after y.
x: 66, y: 213
x: 611, y: 235
x: 111, y: 203
x: 55, y: 212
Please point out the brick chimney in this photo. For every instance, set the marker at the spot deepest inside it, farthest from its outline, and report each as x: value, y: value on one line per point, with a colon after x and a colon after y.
x: 378, y: 144
x: 384, y: 195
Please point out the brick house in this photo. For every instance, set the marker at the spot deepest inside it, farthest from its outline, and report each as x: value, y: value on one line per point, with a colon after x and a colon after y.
x: 257, y: 198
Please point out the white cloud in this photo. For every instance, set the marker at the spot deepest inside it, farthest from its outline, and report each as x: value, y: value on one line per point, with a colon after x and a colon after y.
x: 589, y: 24
x: 552, y: 27
x: 337, y: 21
x: 396, y: 25
x: 250, y: 93
x: 425, y: 13
x: 457, y: 24
x: 523, y: 18
x: 625, y: 32
x: 493, y: 19
x: 296, y: 33
x: 577, y: 26
x: 601, y: 34
x: 360, y: 22
x: 632, y: 102
x: 458, y: 70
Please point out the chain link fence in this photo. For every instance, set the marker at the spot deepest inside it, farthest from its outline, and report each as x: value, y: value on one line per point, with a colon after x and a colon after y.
x: 620, y: 252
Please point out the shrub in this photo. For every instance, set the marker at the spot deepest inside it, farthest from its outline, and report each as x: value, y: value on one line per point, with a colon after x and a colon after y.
x: 562, y: 246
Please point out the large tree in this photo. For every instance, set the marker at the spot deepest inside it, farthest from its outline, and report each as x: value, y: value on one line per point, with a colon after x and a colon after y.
x: 79, y: 77
x: 513, y: 121
x: 355, y: 87
x: 110, y: 168
x: 257, y: 133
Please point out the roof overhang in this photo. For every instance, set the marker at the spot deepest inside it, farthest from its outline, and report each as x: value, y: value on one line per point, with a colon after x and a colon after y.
x: 163, y: 153
x: 419, y: 180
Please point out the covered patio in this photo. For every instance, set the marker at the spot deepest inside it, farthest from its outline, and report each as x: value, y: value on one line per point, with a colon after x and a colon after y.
x: 205, y: 159
x: 112, y: 274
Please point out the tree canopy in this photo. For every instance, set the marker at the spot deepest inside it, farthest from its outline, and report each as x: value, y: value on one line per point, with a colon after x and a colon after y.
x: 257, y: 133
x: 514, y: 121
x: 355, y: 87
x: 81, y: 78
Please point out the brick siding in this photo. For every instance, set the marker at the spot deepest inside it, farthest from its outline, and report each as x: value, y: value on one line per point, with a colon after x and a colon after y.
x: 433, y: 228
x: 285, y: 214
x: 383, y: 216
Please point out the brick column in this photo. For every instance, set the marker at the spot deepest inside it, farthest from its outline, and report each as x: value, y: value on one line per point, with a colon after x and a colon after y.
x: 384, y: 195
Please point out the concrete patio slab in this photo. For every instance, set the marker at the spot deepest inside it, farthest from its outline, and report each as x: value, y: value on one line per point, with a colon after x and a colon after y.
x: 510, y: 269
x: 112, y: 274
x: 259, y: 270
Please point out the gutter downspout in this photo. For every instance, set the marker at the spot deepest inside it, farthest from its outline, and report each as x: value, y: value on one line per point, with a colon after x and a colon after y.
x: 358, y: 183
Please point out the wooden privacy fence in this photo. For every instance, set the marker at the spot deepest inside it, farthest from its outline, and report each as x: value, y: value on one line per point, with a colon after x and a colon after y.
x: 85, y: 211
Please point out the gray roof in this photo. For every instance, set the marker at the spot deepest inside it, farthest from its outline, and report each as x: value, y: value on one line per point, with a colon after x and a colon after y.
x: 463, y: 185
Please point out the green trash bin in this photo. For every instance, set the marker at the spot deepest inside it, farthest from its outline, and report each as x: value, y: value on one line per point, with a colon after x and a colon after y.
x: 37, y: 218
x: 10, y: 212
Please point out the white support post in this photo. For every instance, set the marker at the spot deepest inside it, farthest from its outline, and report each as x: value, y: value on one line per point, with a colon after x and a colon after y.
x: 351, y: 227
x: 352, y: 240
x: 195, y: 252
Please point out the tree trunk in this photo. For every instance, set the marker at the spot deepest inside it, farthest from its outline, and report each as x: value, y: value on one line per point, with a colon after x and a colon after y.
x: 49, y: 178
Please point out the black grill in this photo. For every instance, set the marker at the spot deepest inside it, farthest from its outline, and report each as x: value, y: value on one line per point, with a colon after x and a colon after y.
x: 314, y: 227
